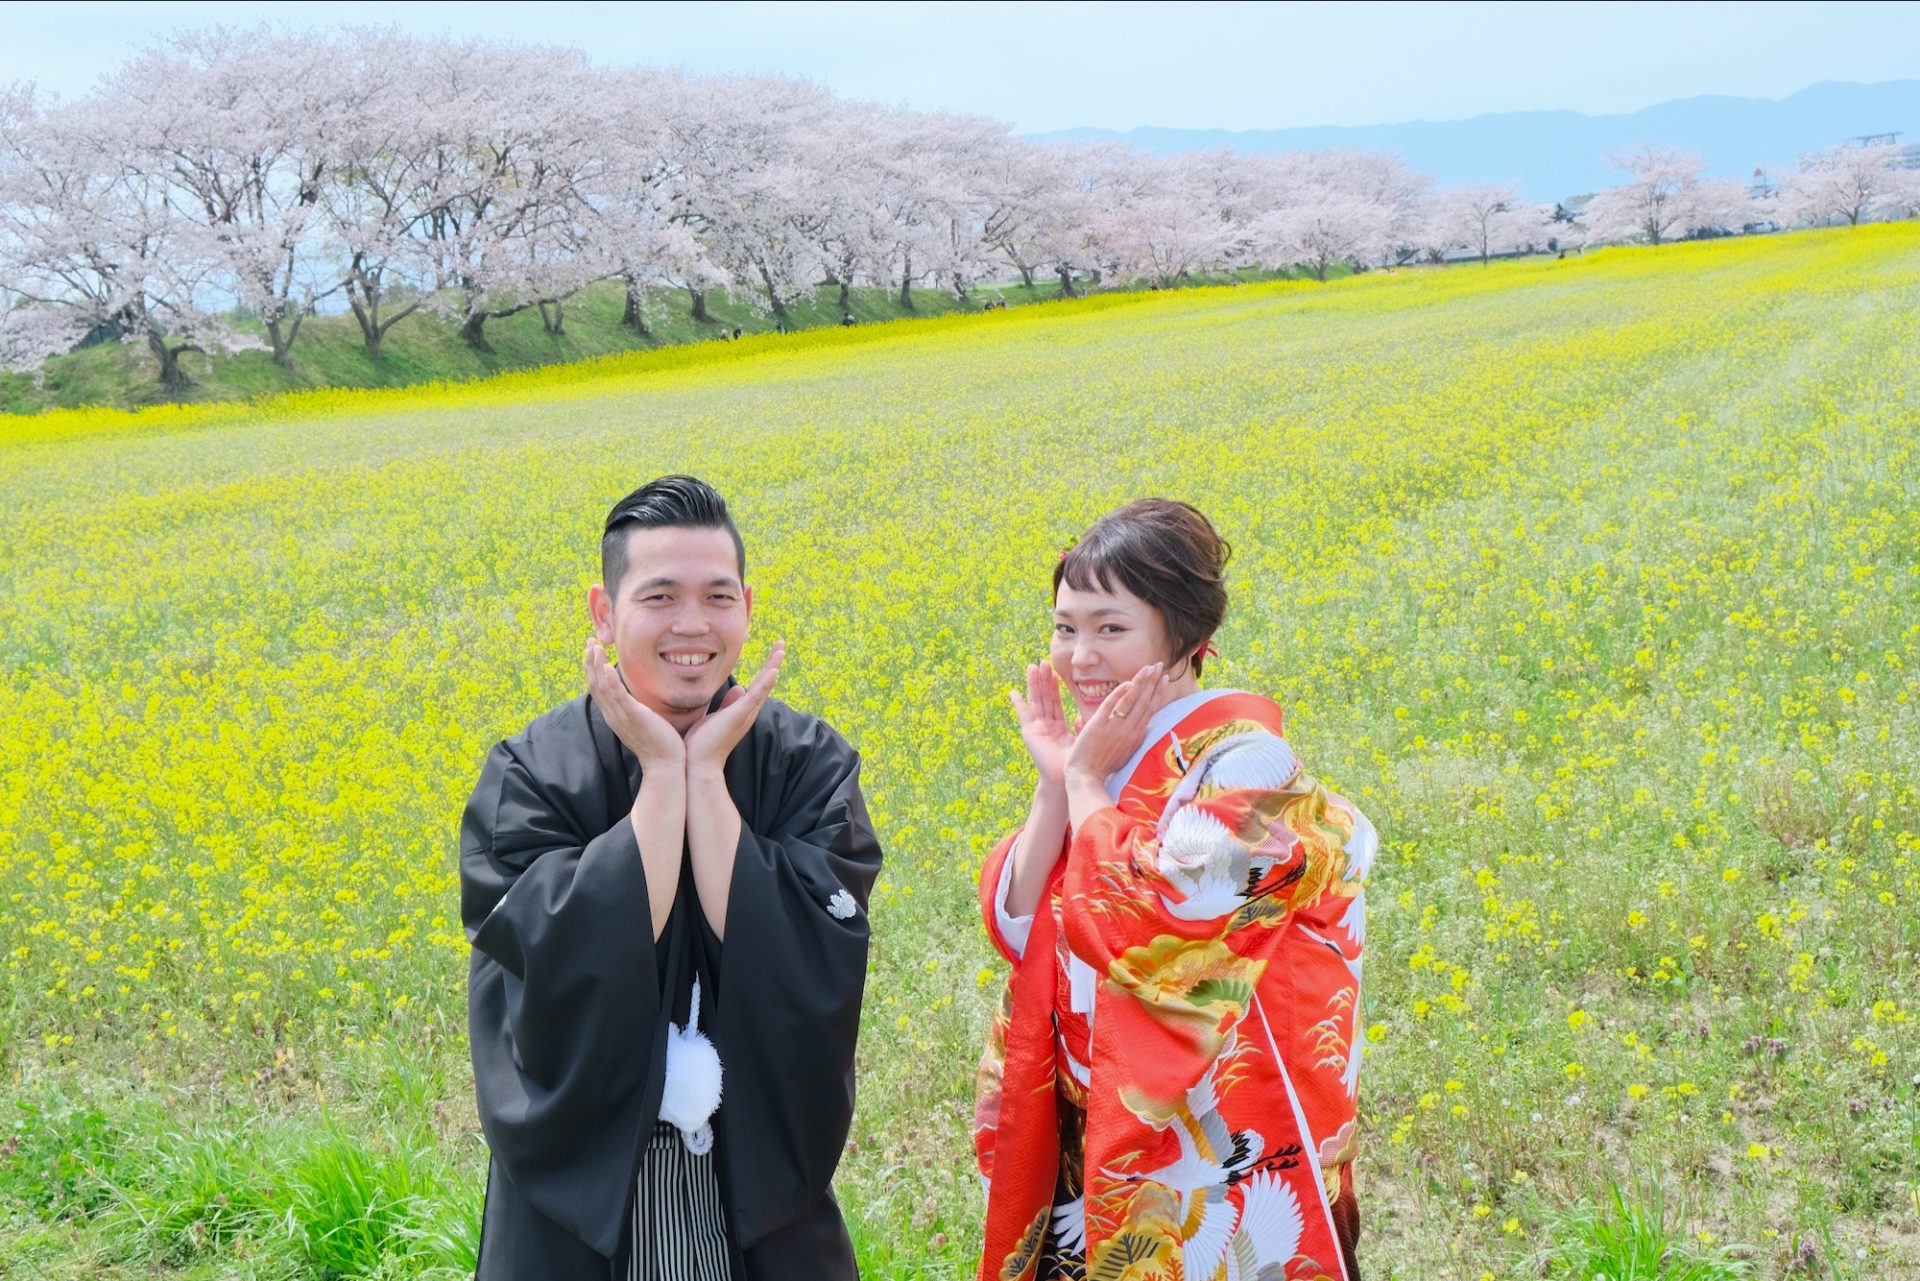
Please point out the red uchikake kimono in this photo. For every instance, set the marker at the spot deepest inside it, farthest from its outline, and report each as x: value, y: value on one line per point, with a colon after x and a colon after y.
x: 1169, y: 1088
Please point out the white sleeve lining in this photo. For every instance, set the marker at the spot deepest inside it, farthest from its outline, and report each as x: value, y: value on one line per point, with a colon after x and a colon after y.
x: 1014, y: 929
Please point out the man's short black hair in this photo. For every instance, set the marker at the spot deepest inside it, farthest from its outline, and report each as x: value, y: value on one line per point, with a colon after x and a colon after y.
x: 676, y: 502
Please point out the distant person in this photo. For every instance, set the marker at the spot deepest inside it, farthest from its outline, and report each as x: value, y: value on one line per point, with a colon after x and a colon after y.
x: 737, y: 331
x: 665, y: 884
x: 1174, y: 1071
x: 847, y: 321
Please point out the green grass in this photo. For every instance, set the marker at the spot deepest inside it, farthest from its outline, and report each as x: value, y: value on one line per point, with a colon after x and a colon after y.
x: 1632, y: 1237
x: 300, y: 1195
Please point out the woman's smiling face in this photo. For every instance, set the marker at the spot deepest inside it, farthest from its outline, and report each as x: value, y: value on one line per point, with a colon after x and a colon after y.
x: 1102, y: 637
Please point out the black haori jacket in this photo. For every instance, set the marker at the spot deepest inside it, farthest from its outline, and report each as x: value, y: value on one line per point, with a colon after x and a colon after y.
x: 569, y: 996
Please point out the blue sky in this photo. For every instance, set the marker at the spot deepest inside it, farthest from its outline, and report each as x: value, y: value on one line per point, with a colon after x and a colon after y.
x: 1050, y: 65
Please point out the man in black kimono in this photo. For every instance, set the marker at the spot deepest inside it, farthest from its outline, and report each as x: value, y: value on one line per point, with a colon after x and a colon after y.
x: 670, y: 868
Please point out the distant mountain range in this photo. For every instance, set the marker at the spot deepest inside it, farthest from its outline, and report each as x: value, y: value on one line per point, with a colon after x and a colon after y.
x: 1551, y: 155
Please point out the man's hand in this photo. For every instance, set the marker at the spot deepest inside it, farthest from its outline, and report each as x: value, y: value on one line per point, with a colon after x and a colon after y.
x: 1043, y: 724
x: 660, y: 808
x: 715, y: 735
x: 645, y: 732
x: 713, y: 821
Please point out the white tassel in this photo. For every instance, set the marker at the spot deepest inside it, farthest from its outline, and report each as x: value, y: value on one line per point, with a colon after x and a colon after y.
x: 691, y: 1094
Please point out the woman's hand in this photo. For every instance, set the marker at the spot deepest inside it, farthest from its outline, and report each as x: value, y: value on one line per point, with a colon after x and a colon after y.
x: 1117, y: 727
x: 1043, y: 724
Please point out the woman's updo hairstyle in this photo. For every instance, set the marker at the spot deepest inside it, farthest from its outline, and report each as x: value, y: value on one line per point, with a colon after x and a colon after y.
x: 1166, y: 553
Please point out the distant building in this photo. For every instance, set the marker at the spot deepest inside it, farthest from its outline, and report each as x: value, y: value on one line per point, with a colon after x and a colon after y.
x: 1909, y: 154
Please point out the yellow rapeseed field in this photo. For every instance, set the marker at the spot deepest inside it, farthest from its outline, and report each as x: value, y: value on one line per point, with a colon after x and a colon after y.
x: 1595, y: 581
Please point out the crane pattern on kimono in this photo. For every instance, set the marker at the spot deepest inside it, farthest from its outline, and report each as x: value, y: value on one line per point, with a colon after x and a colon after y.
x: 1251, y: 1233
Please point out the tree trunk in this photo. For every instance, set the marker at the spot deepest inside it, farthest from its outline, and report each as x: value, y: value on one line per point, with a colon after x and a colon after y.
x: 554, y: 322
x: 363, y: 296
x: 369, y: 320
x: 845, y: 309
x: 906, y: 284
x: 1066, y: 282
x: 474, y: 331
x: 700, y: 315
x: 1026, y: 275
x: 634, y: 317
x: 283, y: 342
x: 773, y: 294
x: 172, y: 377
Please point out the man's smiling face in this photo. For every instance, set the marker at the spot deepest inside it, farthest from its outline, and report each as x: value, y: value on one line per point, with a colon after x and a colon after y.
x: 677, y: 618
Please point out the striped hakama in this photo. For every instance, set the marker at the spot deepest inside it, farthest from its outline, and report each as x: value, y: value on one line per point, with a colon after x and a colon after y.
x: 679, y: 1231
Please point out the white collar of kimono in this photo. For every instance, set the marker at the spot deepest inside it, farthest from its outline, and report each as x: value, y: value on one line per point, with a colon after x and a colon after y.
x: 1158, y: 728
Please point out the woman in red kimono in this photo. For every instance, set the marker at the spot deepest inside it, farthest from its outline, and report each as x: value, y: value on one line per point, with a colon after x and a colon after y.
x: 1169, y: 1088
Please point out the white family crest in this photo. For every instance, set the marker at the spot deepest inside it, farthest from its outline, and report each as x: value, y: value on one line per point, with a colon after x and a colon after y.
x: 841, y: 906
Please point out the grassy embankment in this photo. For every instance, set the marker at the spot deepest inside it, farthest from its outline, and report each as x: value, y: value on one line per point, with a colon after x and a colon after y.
x: 422, y: 348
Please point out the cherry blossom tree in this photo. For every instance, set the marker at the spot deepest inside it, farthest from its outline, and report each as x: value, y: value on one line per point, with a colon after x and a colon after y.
x: 1075, y: 235
x: 1665, y: 195
x: 241, y: 129
x: 1487, y: 220
x: 87, y: 231
x: 30, y: 332
x: 1164, y: 225
x: 933, y: 171
x: 518, y: 140
x: 751, y: 156
x: 1323, y: 227
x: 384, y: 185
x: 1023, y: 185
x: 1322, y: 208
x: 1851, y: 181
x: 637, y: 203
